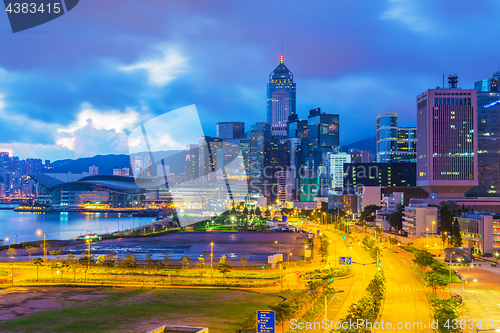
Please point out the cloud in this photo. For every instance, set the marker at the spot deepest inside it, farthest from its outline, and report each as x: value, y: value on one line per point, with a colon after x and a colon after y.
x: 407, y: 13
x: 107, y: 120
x: 162, y: 68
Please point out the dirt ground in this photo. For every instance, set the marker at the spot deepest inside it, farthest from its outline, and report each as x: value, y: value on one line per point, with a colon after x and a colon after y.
x: 17, y: 302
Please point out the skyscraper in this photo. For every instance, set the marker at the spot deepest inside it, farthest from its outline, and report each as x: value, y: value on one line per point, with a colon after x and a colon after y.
x: 231, y: 130
x: 259, y: 157
x: 322, y: 136
x: 447, y: 140
x: 280, y: 98
x: 395, y: 144
x: 488, y: 138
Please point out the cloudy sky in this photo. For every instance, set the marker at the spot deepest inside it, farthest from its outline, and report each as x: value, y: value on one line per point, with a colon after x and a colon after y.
x: 78, y: 86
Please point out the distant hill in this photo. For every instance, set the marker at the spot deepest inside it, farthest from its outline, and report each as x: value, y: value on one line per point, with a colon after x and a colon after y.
x: 106, y: 163
x: 366, y: 144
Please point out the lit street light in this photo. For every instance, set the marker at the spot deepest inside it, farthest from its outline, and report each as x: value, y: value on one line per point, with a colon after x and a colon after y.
x: 326, y: 303
x: 211, y: 260
x: 39, y: 232
x: 7, y: 239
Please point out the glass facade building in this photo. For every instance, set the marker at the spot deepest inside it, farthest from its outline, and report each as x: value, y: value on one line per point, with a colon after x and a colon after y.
x: 280, y: 99
x: 322, y: 136
x: 447, y: 141
x: 488, y: 149
x: 395, y: 144
x: 231, y: 130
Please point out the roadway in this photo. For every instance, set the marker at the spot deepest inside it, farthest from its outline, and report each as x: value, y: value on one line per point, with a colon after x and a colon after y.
x: 405, y: 299
x: 353, y: 286
x: 481, y: 295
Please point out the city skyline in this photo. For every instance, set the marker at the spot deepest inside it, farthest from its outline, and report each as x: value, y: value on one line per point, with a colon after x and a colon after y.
x: 86, y: 94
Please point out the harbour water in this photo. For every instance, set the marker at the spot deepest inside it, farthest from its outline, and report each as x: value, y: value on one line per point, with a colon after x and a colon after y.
x: 22, y: 226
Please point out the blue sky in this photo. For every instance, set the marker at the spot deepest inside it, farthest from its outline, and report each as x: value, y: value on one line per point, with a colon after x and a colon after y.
x: 77, y: 86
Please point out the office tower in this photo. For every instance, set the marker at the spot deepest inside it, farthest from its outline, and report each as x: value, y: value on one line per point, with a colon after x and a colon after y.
x: 210, y: 158
x: 33, y: 165
x: 379, y: 174
x: 192, y: 161
x: 259, y: 156
x: 296, y: 128
x: 93, y: 170
x: 322, y: 136
x: 447, y: 140
x: 334, y: 163
x: 360, y: 156
x: 47, y: 164
x: 280, y: 98
x: 488, y: 138
x: 395, y: 144
x: 231, y: 130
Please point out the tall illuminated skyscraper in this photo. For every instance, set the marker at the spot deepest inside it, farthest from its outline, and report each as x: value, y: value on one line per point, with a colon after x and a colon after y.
x: 447, y: 163
x: 280, y: 98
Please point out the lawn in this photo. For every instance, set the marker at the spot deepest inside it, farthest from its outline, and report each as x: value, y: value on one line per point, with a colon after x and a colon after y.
x: 120, y: 310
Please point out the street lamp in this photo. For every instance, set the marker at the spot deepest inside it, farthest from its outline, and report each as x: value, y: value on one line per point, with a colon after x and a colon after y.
x: 496, y: 256
x: 305, y: 247
x: 358, y: 263
x: 449, y: 284
x: 39, y: 232
x: 326, y: 303
x: 289, y: 254
x: 433, y: 222
x: 7, y: 239
x: 211, y: 260
x: 279, y: 246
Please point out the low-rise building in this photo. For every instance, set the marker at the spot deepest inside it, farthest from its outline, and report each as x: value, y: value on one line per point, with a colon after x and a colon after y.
x: 419, y: 219
x: 479, y: 230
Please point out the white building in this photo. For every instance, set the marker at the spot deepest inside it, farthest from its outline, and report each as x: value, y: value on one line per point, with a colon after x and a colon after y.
x: 478, y: 232
x: 121, y: 172
x: 390, y: 203
x: 334, y: 163
x: 93, y: 170
x: 420, y: 219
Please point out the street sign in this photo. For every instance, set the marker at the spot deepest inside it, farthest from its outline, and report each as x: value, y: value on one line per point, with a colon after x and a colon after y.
x: 344, y: 260
x: 265, y: 322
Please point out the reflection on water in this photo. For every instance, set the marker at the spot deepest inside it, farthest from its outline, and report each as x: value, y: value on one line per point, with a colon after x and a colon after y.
x: 62, y: 225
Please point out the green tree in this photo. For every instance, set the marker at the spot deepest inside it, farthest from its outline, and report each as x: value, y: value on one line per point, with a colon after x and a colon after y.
x: 31, y: 250
x: 166, y: 259
x: 423, y: 259
x: 56, y: 254
x: 444, y: 312
x: 245, y: 211
x: 37, y: 262
x: 323, y: 247
x: 258, y: 212
x: 364, y: 309
x: 456, y: 237
x: 224, y: 269
x: 446, y: 222
x: 244, y: 259
x: 284, y: 311
x: 368, y: 213
x: 435, y: 280
x: 129, y: 261
x: 11, y: 253
x: 185, y: 260
x: 395, y: 219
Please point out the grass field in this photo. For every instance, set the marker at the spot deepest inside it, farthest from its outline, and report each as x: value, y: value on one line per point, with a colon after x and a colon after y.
x: 119, y: 310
